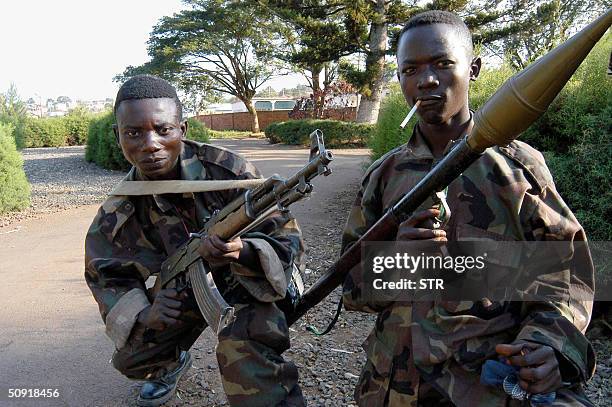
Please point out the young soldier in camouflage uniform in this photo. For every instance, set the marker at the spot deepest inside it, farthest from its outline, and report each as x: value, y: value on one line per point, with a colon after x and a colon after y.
x: 131, y: 237
x: 427, y: 353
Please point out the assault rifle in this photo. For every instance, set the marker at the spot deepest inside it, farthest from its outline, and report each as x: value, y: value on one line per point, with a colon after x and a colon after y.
x: 235, y: 219
x: 511, y: 110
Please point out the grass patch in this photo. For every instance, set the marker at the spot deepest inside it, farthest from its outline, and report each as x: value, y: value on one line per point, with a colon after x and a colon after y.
x: 221, y: 134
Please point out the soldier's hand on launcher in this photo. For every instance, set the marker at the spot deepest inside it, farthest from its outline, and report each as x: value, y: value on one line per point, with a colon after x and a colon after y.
x: 165, y: 310
x: 218, y: 252
x: 420, y: 226
x: 539, y: 366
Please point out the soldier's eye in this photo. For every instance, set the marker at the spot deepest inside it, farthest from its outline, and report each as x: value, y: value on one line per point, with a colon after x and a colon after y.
x: 445, y: 63
x: 409, y: 70
x: 131, y: 133
x: 165, y: 130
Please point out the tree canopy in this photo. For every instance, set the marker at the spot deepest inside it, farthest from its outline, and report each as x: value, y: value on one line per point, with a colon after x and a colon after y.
x: 213, y: 47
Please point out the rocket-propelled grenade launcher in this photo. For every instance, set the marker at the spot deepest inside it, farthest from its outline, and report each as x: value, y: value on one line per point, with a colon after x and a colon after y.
x: 513, y: 108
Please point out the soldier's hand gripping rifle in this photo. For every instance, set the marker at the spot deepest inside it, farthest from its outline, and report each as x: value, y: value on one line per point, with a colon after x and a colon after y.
x: 238, y: 217
x: 511, y: 110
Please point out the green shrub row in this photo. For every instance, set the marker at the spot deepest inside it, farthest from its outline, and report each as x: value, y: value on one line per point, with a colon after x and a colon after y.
x: 103, y: 149
x: 336, y: 133
x: 67, y: 130
x: 14, y: 186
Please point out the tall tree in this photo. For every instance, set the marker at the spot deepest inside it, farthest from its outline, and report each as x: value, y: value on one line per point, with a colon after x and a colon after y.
x: 545, y: 24
x: 314, y: 37
x: 373, y: 18
x: 214, y: 47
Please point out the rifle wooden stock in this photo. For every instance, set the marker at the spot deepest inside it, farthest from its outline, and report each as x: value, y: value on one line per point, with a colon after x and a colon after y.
x: 232, y: 224
x: 513, y: 108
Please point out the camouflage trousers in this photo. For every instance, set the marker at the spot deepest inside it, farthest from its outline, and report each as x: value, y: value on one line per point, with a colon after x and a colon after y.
x: 249, y: 355
x: 371, y: 386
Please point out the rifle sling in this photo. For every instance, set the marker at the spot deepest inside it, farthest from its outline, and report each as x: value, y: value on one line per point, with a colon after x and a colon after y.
x: 134, y: 188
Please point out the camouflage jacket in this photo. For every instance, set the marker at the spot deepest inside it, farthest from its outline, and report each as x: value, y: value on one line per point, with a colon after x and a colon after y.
x: 130, y: 237
x: 508, y: 194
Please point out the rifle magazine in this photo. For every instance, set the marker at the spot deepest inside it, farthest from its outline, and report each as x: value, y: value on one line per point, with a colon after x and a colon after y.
x: 215, y: 310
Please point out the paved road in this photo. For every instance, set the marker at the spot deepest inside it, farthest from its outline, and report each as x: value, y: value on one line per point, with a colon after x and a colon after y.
x: 51, y: 335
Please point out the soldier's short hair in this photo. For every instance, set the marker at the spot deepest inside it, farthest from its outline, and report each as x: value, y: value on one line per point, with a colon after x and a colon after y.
x: 441, y: 17
x: 147, y: 87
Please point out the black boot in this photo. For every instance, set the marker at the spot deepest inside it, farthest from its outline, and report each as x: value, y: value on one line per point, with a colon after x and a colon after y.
x: 156, y: 392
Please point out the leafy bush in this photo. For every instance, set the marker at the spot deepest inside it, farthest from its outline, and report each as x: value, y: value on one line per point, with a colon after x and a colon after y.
x: 197, y: 131
x: 45, y: 132
x: 13, y: 111
x: 336, y: 133
x: 52, y: 131
x: 18, y: 123
x: 583, y: 175
x: 387, y: 133
x: 76, y: 123
x: 14, y: 186
x: 102, y: 147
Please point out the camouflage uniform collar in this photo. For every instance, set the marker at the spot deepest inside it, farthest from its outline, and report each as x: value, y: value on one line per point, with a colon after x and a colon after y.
x: 191, y: 169
x: 417, y: 148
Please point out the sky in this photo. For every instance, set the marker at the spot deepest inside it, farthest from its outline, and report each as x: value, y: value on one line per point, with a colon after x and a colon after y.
x: 74, y: 48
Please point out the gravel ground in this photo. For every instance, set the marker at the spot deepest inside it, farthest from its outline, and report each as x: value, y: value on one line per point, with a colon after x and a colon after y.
x: 62, y: 179
x: 329, y: 366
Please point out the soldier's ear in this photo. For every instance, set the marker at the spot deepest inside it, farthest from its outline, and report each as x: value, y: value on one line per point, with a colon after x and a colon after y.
x: 475, y: 68
x: 116, y: 131
x: 184, y: 128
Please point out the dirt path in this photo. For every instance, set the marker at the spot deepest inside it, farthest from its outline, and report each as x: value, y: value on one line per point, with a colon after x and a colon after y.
x: 51, y: 333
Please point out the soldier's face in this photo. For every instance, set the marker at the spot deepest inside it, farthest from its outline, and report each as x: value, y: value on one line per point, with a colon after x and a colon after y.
x: 434, y: 67
x: 150, y: 133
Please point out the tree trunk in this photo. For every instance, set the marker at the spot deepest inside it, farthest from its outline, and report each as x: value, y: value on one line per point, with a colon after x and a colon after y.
x: 255, y: 120
x: 375, y: 65
x: 317, y: 94
x: 316, y: 78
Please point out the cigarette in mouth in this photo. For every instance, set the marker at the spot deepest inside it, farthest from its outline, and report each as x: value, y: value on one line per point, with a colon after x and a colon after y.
x: 410, y: 114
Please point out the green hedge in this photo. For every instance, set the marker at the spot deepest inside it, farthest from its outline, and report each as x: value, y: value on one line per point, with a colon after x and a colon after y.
x: 336, y: 133
x: 14, y: 186
x: 102, y: 147
x: 17, y: 122
x: 66, y: 130
x: 45, y: 132
x: 77, y: 125
x: 197, y: 131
